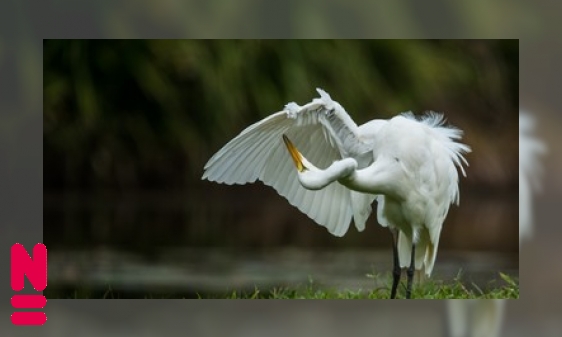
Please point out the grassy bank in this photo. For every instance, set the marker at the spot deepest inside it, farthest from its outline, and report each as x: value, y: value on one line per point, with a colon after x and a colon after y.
x: 508, y: 288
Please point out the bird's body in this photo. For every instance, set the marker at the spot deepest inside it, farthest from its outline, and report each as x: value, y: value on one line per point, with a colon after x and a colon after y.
x: 408, y: 165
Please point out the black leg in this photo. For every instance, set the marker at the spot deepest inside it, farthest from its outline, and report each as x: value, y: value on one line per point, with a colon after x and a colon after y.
x: 410, y: 272
x: 397, y: 270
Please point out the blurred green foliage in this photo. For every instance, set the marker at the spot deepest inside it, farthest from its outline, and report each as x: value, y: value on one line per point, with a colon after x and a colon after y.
x: 149, y: 113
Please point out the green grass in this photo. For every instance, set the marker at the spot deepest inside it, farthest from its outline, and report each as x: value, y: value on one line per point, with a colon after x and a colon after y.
x: 507, y: 288
x: 429, y: 289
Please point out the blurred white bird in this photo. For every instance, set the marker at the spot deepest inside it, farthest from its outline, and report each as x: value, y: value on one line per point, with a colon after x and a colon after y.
x: 475, y: 318
x: 530, y: 148
x: 483, y: 318
x: 408, y: 165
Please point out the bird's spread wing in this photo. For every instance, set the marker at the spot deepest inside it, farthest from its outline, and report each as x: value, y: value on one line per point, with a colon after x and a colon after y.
x: 323, y: 132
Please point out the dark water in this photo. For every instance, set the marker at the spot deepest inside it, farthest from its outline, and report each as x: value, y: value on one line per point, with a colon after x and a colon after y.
x: 186, y: 273
x: 216, y: 240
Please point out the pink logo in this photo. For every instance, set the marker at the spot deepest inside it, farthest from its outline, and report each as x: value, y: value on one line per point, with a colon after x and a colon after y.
x: 36, y: 271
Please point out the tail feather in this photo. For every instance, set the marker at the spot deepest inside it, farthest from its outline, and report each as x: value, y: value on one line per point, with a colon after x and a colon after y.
x: 426, y: 252
x: 361, y: 204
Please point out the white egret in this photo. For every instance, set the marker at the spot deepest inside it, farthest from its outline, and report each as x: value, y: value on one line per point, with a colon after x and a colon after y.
x: 483, y: 318
x: 408, y: 165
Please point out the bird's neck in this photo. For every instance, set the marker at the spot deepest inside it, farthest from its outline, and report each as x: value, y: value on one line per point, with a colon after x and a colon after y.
x: 379, y: 178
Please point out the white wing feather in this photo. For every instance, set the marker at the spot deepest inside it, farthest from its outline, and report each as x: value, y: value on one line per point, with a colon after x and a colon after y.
x: 324, y: 133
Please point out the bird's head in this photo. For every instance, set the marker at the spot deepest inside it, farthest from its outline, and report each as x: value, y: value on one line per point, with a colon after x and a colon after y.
x: 313, y: 178
x: 298, y: 158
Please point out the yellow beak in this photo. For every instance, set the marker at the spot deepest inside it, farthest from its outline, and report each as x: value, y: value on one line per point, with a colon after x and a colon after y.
x: 295, y: 154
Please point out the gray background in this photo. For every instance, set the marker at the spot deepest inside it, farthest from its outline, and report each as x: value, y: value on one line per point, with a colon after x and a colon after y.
x: 24, y: 24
